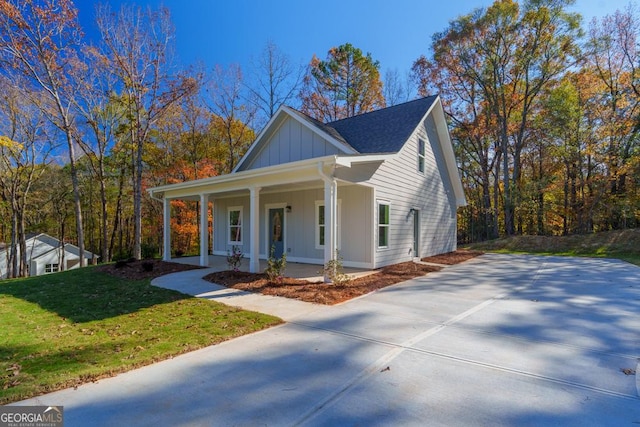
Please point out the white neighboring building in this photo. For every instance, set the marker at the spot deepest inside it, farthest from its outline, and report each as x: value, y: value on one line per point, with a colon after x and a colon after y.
x: 46, y: 254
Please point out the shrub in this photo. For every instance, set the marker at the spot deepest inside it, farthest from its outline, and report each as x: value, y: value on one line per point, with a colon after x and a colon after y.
x: 276, y: 266
x: 121, y: 263
x: 333, y: 270
x: 147, y: 266
x: 234, y: 258
x: 148, y: 250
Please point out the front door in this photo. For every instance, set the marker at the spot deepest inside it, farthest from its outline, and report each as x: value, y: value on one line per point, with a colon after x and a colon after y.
x: 416, y: 233
x: 276, y: 232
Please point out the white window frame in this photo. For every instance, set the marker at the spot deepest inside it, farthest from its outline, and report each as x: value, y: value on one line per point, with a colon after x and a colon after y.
x: 51, y: 268
x: 317, y: 224
x: 379, y: 225
x: 240, y: 226
x: 422, y: 156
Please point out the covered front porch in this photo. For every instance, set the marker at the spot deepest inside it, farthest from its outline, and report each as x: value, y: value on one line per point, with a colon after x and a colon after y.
x: 243, y: 203
x: 297, y: 270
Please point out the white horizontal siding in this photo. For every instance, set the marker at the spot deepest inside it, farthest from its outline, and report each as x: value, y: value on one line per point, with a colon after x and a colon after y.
x: 300, y: 227
x: 399, y: 182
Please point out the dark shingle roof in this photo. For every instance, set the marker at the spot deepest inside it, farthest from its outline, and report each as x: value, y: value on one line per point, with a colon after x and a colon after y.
x: 381, y: 131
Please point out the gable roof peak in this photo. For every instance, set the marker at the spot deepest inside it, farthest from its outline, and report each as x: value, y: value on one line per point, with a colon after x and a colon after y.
x: 385, y: 130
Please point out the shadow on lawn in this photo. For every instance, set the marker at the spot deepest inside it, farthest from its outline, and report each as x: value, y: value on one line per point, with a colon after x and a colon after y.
x: 86, y: 295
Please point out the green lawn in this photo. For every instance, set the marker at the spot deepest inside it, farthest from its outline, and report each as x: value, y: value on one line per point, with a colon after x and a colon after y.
x: 68, y: 328
x: 621, y: 244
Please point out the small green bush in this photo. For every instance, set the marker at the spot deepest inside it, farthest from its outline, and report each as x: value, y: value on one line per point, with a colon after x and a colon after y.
x: 276, y: 266
x: 333, y: 270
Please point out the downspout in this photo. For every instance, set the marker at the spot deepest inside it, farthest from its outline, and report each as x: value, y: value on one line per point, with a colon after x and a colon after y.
x: 154, y: 197
x: 330, y: 212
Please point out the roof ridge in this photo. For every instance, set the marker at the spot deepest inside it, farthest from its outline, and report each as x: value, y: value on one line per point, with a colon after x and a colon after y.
x: 402, y: 104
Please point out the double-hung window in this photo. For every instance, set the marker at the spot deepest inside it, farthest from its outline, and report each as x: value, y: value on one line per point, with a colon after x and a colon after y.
x: 383, y: 225
x: 234, y: 221
x: 321, y: 224
x: 421, y: 154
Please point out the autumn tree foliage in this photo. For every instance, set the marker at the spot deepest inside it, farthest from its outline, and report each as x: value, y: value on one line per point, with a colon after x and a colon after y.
x: 493, y: 66
x: 345, y: 84
x: 136, y: 44
x: 544, y: 113
x: 232, y: 117
x: 39, y: 43
x: 24, y: 152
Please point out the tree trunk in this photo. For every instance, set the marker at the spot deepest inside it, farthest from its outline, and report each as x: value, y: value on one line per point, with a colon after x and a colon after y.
x: 137, y: 201
x: 106, y: 255
x: 118, y: 214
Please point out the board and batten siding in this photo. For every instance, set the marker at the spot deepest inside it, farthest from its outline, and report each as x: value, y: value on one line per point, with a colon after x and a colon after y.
x: 356, y: 223
x: 399, y: 183
x: 291, y: 142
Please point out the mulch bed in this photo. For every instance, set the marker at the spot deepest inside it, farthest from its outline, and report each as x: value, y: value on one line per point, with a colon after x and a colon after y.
x: 318, y: 292
x: 144, y: 269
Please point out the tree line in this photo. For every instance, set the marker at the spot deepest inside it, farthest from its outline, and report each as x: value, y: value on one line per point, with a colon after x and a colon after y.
x: 543, y: 115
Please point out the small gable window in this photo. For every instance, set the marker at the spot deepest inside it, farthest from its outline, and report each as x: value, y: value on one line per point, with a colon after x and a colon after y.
x: 421, y: 154
x: 235, y: 225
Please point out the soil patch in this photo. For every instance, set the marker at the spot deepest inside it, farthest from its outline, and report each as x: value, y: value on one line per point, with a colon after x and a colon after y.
x: 452, y: 258
x: 144, y: 269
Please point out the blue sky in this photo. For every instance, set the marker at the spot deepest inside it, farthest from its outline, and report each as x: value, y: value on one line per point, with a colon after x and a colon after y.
x: 395, y: 32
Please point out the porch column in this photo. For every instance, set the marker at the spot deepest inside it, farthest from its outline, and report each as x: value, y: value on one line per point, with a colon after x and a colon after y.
x: 254, y: 226
x: 204, y: 230
x: 330, y: 219
x: 166, y: 230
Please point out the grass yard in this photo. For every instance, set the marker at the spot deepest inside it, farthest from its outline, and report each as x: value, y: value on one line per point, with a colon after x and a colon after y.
x: 64, y: 329
x: 621, y: 244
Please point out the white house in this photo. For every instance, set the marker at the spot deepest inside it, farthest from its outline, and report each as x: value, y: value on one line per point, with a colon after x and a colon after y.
x: 380, y: 188
x: 45, y: 254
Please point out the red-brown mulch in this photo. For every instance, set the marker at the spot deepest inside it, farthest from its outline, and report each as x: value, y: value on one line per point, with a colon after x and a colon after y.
x: 144, y: 269
x: 321, y: 293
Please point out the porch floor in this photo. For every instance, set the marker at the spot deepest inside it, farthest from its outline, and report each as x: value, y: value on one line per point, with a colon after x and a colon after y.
x: 310, y: 272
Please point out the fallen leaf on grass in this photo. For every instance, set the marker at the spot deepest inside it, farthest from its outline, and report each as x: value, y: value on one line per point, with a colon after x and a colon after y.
x: 11, y: 384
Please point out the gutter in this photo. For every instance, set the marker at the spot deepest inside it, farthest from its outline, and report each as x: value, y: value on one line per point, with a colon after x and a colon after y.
x: 150, y: 191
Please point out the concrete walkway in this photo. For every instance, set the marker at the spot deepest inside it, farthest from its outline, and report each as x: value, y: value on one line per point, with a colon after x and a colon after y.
x: 191, y: 282
x: 500, y: 340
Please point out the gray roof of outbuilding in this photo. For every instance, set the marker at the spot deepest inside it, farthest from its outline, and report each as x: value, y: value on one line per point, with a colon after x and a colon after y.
x: 381, y: 131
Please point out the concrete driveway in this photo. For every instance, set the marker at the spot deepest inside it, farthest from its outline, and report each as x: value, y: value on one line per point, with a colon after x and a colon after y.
x: 498, y: 340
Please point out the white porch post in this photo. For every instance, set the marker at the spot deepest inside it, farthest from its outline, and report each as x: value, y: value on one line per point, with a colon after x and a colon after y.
x: 330, y: 220
x: 166, y: 230
x: 204, y: 230
x: 254, y: 225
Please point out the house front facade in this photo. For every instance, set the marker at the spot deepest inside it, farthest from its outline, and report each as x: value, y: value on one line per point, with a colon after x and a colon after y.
x: 375, y: 189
